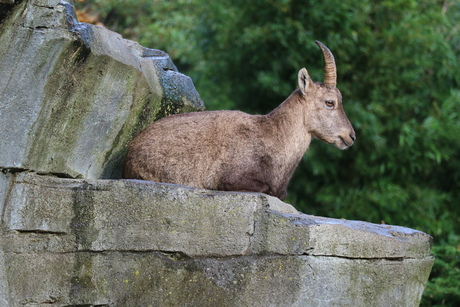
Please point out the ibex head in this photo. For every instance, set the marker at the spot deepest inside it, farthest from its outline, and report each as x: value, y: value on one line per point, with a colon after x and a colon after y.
x: 325, y: 118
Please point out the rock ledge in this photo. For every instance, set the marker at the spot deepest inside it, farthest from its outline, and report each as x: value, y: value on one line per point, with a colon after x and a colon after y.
x: 131, y: 243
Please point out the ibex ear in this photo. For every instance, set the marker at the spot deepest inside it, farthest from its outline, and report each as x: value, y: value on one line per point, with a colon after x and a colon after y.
x: 305, y: 82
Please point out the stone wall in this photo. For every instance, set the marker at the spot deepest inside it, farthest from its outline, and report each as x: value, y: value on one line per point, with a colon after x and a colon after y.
x: 73, y: 94
x: 71, y: 234
x: 136, y: 243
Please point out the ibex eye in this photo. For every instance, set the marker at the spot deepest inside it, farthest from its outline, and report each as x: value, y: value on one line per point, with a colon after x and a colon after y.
x: 330, y: 103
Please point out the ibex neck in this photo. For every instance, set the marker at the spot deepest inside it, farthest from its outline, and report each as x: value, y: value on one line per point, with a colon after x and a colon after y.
x: 289, y: 114
x: 288, y: 122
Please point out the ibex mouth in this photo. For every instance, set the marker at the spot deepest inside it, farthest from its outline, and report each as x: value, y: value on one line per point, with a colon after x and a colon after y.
x: 345, y: 142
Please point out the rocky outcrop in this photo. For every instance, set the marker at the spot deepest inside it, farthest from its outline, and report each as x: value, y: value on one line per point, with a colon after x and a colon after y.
x: 71, y: 96
x: 137, y: 243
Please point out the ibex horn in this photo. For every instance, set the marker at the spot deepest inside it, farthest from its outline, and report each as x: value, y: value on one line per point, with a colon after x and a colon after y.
x: 330, y: 70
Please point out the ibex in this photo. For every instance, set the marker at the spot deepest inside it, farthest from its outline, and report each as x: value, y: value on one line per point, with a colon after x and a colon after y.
x: 236, y: 151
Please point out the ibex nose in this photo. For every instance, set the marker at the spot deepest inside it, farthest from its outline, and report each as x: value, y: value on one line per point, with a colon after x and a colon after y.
x: 353, y: 136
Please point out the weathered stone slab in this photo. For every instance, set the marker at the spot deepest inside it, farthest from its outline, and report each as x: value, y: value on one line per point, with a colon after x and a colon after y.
x: 138, y: 243
x: 113, y: 278
x: 122, y: 215
x: 313, y: 235
x: 72, y: 94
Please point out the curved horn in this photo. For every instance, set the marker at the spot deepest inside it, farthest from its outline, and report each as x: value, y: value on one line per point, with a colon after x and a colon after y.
x: 330, y: 70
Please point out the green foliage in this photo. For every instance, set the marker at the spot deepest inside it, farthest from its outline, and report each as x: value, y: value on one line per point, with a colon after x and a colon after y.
x: 443, y: 288
x: 398, y: 64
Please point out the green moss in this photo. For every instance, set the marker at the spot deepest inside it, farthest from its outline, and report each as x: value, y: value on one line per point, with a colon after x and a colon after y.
x: 82, y: 280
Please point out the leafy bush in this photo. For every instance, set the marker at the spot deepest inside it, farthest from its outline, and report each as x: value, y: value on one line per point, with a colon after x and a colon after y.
x: 443, y: 288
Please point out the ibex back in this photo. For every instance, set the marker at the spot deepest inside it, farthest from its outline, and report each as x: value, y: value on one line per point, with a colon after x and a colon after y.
x: 235, y: 151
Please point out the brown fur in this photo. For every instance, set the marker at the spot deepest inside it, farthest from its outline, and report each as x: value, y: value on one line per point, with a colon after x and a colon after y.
x: 235, y: 151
